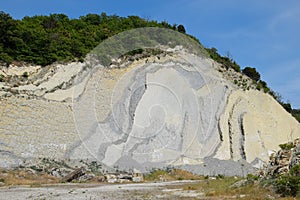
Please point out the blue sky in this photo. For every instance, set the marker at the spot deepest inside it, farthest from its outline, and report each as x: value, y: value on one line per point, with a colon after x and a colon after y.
x: 259, y: 33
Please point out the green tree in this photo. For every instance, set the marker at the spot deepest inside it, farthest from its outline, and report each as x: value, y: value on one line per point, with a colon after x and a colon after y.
x: 296, y: 114
x: 181, y: 28
x: 7, y: 39
x: 43, y: 40
x: 287, y: 107
x: 93, y: 19
x: 251, y: 73
x: 225, y: 61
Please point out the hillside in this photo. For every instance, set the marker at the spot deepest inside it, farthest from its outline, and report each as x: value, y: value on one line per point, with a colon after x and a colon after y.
x: 43, y: 40
x: 145, y: 98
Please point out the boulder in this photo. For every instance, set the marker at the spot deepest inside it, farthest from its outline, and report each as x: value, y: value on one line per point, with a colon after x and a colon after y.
x: 76, y: 174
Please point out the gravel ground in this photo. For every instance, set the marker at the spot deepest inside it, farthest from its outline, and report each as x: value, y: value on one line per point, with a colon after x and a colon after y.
x: 105, y: 191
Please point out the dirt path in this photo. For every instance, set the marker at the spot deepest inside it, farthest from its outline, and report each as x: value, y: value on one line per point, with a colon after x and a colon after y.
x: 109, y: 192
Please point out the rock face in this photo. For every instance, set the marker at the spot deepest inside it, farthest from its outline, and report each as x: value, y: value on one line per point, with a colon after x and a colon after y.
x: 74, y: 175
x: 283, y: 160
x: 174, y: 108
x: 253, y: 126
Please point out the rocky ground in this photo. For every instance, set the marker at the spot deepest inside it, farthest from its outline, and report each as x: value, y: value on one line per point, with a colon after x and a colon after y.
x: 103, y: 191
x: 284, y: 160
x: 159, y: 184
x: 218, y: 188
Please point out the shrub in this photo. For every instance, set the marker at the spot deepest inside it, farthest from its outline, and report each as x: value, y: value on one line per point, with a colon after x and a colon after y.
x: 25, y: 75
x: 287, y: 146
x: 258, y: 87
x: 181, y: 29
x: 43, y: 40
x: 295, y: 170
x: 288, y: 185
x: 220, y: 176
x: 286, y: 106
x: 251, y: 73
x: 296, y: 114
x: 252, y: 177
x: 225, y: 61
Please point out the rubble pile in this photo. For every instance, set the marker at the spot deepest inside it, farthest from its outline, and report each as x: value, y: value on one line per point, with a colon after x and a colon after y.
x: 284, y: 160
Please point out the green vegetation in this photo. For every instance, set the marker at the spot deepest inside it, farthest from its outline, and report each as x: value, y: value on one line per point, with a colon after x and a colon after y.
x: 223, y: 186
x: 43, y: 40
x: 171, y: 174
x: 229, y: 188
x: 94, y: 167
x: 225, y: 61
x: 285, y: 183
x: 251, y: 177
x: 136, y: 41
x: 251, y: 73
x: 181, y: 28
x: 286, y: 105
x: 296, y: 114
x: 295, y: 171
x: 25, y: 74
x: 288, y: 185
x: 22, y: 177
x: 287, y: 146
x: 262, y: 85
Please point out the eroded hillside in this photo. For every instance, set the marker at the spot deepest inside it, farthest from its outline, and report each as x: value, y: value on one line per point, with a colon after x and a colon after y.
x: 173, y: 108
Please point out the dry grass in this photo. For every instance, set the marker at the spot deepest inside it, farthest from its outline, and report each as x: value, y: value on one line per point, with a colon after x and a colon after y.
x: 17, y: 177
x: 180, y: 174
x: 220, y: 189
x: 171, y: 175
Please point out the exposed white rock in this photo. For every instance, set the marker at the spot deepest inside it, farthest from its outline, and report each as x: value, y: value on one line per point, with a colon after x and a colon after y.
x: 177, y: 109
x: 63, y: 75
x: 29, y: 87
x: 254, y: 124
x: 14, y: 70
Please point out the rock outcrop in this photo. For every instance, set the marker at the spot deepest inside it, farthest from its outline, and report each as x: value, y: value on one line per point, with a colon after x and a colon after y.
x: 283, y: 160
x: 76, y: 174
x: 174, y: 108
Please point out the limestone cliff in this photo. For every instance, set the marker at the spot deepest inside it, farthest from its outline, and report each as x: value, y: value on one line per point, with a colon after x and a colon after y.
x: 174, y: 108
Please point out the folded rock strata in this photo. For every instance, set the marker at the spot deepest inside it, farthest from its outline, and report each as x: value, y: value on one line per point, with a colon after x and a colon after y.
x: 175, y: 108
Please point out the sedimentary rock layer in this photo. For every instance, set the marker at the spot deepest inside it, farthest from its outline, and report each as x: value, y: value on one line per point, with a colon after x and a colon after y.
x: 170, y: 109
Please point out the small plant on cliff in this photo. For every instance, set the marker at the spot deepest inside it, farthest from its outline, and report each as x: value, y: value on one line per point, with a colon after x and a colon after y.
x: 181, y: 28
x: 287, y: 146
x: 296, y: 114
x: 226, y: 61
x: 251, y: 73
x: 25, y: 75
